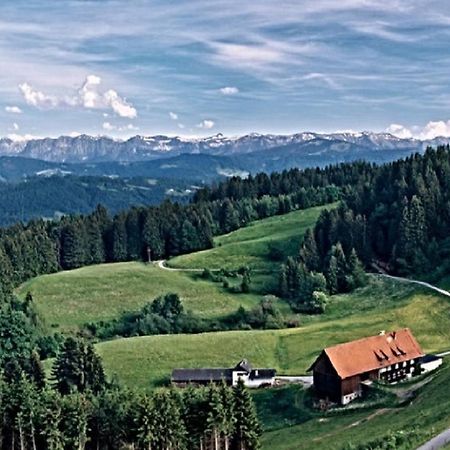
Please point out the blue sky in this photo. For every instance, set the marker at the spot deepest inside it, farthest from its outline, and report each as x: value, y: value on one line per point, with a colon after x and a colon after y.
x: 201, y: 67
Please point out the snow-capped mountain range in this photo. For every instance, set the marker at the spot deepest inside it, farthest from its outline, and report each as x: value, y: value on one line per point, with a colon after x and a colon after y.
x: 85, y: 148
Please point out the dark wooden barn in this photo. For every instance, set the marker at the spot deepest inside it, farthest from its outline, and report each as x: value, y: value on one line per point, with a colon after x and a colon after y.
x: 341, y: 371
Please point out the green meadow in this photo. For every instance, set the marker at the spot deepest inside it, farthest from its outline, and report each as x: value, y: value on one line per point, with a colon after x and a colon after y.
x: 69, y: 299
x: 250, y: 246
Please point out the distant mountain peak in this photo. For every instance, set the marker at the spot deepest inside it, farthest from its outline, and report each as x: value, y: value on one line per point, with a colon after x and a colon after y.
x: 86, y: 148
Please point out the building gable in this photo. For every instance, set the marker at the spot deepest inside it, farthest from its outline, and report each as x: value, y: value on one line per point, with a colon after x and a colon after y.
x: 373, y: 353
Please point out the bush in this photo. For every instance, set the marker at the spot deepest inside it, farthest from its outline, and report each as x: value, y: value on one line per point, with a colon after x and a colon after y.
x: 275, y: 252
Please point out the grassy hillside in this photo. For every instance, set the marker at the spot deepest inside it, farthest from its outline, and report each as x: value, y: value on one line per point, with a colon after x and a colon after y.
x: 418, y: 419
x: 72, y: 298
x: 250, y: 245
x: 289, y: 423
x: 145, y: 361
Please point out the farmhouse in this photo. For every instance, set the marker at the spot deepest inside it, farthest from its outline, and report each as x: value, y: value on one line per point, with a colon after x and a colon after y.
x: 341, y: 371
x: 243, y: 370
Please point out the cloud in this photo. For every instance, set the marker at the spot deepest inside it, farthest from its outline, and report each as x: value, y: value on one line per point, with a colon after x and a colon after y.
x: 436, y: 129
x: 431, y: 130
x: 119, y: 105
x: 108, y: 126
x: 16, y: 126
x: 22, y: 137
x: 207, y: 124
x: 173, y: 116
x: 37, y: 98
x: 229, y: 90
x: 89, y: 96
x: 13, y: 109
x: 181, y: 126
x: 399, y: 130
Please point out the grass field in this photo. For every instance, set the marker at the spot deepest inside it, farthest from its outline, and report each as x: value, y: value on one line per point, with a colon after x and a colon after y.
x: 146, y: 361
x: 69, y: 299
x: 72, y: 298
x: 425, y: 415
x: 250, y: 245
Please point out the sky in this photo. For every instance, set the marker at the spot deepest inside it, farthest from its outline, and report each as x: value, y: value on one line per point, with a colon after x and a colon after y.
x: 201, y: 67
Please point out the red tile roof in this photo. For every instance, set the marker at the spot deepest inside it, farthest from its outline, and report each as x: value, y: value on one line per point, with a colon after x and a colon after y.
x: 375, y: 352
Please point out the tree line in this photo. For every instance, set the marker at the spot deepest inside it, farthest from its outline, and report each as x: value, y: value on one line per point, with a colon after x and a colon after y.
x: 394, y: 218
x: 398, y: 222
x: 81, y: 410
x: 140, y: 233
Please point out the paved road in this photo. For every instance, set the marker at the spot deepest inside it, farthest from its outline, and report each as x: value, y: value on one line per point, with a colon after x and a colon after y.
x: 438, y: 441
x: 162, y: 265
x: 420, y: 283
x: 305, y: 380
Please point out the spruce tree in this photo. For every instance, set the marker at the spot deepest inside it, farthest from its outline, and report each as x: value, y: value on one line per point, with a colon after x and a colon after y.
x: 247, y: 429
x: 216, y: 417
x: 145, y: 422
x: 357, y: 277
x: 332, y: 275
x: 78, y: 368
x: 170, y: 432
x: 50, y: 421
x: 309, y: 254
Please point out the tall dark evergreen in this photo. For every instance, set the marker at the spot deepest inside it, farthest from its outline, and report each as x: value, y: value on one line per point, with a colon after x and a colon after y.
x: 78, y: 368
x: 247, y: 429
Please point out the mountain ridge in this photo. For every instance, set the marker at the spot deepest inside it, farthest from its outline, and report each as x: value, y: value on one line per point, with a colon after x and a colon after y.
x: 85, y: 148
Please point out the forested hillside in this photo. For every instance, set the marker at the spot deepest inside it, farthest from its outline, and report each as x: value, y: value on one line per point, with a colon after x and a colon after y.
x: 51, y: 197
x: 394, y: 215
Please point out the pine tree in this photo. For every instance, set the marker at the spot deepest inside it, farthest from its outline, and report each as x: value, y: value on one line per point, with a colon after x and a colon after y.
x: 76, y: 410
x: 229, y: 219
x: 170, y: 432
x: 133, y: 234
x: 73, y: 245
x: 119, y: 238
x: 145, y: 422
x: 151, y: 235
x: 357, y: 277
x: 216, y: 417
x: 332, y: 275
x: 283, y: 288
x: 78, y: 368
x: 309, y: 254
x: 247, y: 429
x: 50, y: 421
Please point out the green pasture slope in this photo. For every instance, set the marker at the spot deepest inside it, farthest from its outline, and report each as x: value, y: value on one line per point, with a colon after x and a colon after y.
x: 72, y: 298
x: 250, y: 245
x: 147, y: 361
x: 419, y: 419
x: 69, y: 299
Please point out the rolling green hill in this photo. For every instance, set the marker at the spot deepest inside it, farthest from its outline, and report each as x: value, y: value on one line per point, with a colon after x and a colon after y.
x: 251, y: 245
x: 146, y: 361
x: 290, y: 424
x: 72, y: 298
